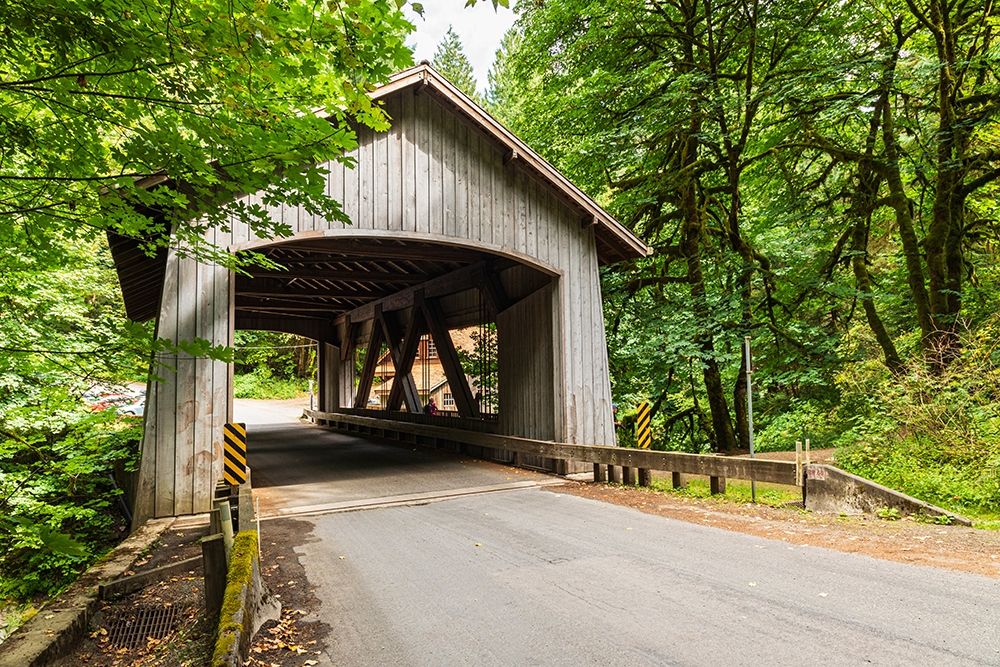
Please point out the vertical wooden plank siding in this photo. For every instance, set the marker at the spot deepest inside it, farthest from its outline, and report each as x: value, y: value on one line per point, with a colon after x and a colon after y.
x: 434, y: 174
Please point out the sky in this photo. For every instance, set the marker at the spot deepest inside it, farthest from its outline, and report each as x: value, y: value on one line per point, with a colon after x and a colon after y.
x: 480, y: 28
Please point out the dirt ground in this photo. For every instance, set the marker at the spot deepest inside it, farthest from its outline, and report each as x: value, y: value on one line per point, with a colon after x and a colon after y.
x: 291, y: 642
x: 190, y: 641
x: 905, y: 540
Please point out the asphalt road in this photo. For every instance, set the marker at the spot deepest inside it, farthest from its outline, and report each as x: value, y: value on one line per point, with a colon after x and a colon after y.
x: 533, y: 577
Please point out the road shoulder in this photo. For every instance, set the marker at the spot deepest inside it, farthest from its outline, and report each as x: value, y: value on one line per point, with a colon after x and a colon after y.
x: 904, y: 541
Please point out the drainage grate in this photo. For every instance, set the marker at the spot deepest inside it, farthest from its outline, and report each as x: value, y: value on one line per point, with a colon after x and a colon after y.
x: 133, y: 628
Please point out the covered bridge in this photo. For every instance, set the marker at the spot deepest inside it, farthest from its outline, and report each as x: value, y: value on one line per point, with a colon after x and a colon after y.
x: 454, y: 222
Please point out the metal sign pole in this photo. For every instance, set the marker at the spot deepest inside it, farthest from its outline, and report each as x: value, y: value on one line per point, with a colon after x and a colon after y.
x: 746, y: 348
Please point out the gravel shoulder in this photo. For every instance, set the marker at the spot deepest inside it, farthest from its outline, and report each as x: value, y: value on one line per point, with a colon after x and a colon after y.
x: 905, y: 541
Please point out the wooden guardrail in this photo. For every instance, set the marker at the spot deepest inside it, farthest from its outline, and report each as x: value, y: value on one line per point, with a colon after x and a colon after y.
x: 717, y: 467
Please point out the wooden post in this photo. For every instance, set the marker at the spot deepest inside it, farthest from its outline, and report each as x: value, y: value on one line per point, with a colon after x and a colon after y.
x: 677, y: 480
x: 244, y: 513
x: 226, y: 523
x: 403, y: 345
x: 798, y: 463
x: 613, y: 475
x: 627, y: 478
x: 717, y: 485
x: 214, y: 563
x: 645, y: 477
x: 214, y: 521
x: 599, y: 474
x: 808, y: 458
x: 466, y: 403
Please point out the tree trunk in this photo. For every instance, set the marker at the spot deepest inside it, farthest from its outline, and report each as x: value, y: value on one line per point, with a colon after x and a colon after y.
x: 722, y: 425
x: 907, y: 233
x: 864, y: 284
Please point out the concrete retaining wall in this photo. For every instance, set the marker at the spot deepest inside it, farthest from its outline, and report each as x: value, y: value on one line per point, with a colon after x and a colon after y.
x: 246, y: 605
x: 830, y: 489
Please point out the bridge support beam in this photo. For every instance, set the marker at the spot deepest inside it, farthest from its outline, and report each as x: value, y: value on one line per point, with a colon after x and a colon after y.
x: 188, y: 399
x: 328, y: 365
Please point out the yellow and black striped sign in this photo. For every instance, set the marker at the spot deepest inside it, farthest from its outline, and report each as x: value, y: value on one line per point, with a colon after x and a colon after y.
x: 643, y: 436
x: 234, y: 469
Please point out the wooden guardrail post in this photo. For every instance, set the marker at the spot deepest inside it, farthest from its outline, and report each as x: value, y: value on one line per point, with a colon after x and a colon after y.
x: 214, y: 563
x: 244, y: 513
x: 677, y: 480
x: 716, y: 485
x: 600, y: 474
x: 627, y: 478
x: 645, y: 477
x: 613, y: 476
x: 225, y: 523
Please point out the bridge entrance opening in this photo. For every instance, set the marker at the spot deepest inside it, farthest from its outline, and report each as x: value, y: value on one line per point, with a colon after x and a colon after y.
x: 416, y: 330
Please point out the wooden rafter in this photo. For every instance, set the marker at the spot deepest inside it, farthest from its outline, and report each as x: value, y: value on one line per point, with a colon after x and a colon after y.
x: 459, y: 280
x: 354, y: 276
x: 377, y: 251
x: 494, y: 292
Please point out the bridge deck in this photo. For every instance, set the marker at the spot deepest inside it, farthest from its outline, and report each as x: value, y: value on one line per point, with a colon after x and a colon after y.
x: 301, y: 468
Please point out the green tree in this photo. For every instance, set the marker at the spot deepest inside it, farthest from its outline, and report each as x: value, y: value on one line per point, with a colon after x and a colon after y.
x: 145, y: 119
x: 110, y: 111
x: 451, y: 61
x: 785, y: 164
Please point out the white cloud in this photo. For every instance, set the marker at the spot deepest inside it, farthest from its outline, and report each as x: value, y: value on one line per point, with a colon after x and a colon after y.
x: 480, y: 28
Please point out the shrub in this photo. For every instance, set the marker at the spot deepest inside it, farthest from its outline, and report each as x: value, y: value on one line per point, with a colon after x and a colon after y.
x: 58, y: 509
x: 933, y: 435
x: 261, y: 384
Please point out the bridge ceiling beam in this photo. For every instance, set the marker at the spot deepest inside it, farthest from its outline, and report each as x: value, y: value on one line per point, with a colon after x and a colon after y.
x: 459, y: 280
x: 352, y: 276
x: 347, y: 251
x: 305, y: 292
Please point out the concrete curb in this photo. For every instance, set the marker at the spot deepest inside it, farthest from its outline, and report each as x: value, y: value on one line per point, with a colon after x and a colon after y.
x: 830, y: 489
x: 61, y: 623
x: 246, y: 604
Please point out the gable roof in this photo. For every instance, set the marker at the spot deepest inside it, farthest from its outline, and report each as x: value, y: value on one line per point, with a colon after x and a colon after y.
x: 611, y: 234
x: 141, y: 276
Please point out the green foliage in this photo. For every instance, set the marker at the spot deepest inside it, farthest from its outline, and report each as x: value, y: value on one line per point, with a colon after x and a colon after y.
x: 888, y: 513
x: 799, y: 421
x: 271, y: 365
x: 739, y: 492
x: 62, y: 331
x: 261, y: 384
x: 100, y: 101
x: 482, y: 365
x: 935, y: 436
x: 451, y: 61
x: 57, y: 498
x: 819, y: 177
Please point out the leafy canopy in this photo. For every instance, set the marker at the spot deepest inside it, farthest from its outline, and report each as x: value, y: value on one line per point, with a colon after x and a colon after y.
x: 111, y: 111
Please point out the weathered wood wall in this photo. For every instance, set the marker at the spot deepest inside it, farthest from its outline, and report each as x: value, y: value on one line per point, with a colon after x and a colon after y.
x: 434, y: 177
x: 187, y: 408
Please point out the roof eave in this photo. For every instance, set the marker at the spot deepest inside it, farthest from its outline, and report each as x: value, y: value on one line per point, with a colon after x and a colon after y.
x: 425, y: 76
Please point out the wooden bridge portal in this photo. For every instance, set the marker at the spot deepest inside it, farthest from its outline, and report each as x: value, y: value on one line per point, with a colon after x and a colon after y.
x: 453, y: 221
